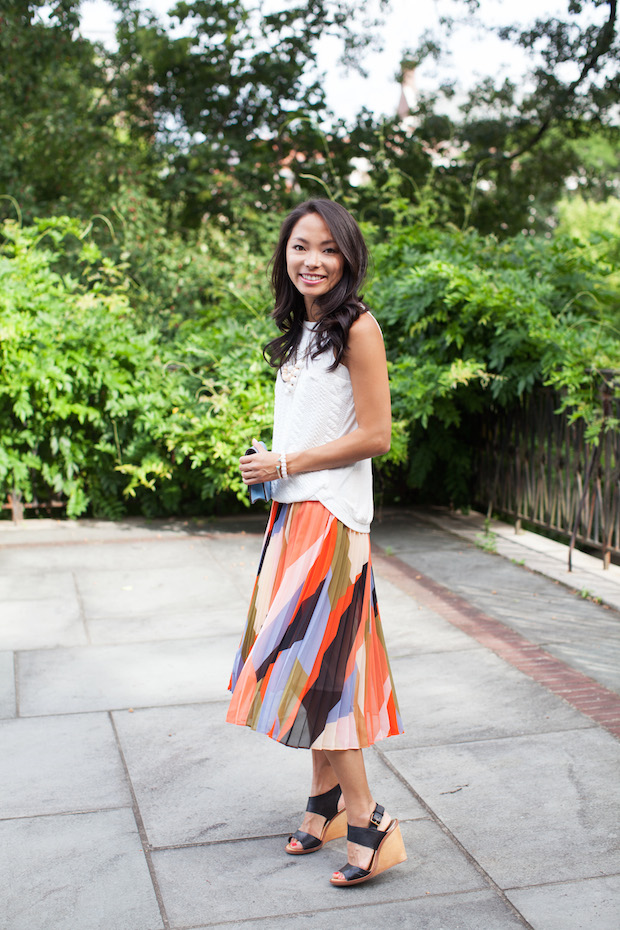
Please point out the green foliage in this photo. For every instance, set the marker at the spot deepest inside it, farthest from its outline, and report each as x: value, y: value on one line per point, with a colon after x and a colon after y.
x: 78, y: 383
x: 595, y: 224
x: 61, y: 144
x: 171, y: 278
x: 487, y: 540
x: 205, y: 121
x: 132, y: 377
x: 231, y: 406
x: 100, y: 410
x: 472, y: 323
x: 220, y: 119
x: 503, y: 158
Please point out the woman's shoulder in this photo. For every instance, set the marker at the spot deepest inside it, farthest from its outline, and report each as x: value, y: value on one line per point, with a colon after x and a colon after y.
x: 365, y: 343
x: 365, y: 327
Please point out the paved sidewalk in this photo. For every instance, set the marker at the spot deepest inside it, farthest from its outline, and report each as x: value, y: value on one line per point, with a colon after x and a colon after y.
x: 126, y: 802
x: 536, y: 552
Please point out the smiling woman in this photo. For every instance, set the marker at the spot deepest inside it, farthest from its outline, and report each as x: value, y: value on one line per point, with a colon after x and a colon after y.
x: 312, y: 669
x: 314, y: 262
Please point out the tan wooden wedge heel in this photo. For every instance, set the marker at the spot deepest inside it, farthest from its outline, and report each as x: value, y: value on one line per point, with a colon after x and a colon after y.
x: 389, y: 850
x: 336, y: 827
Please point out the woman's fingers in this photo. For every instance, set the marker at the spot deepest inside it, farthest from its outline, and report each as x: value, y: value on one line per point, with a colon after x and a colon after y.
x: 257, y: 468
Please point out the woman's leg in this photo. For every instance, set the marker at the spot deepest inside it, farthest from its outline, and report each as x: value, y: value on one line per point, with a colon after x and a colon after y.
x: 350, y: 772
x: 323, y: 779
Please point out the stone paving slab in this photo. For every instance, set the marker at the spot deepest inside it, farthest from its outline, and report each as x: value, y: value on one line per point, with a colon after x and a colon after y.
x: 540, y: 609
x: 473, y: 695
x: 50, y: 765
x: 201, y: 883
x: 587, y: 905
x: 76, y: 872
x: 7, y: 684
x: 33, y: 623
x: 524, y: 781
x: 148, y: 549
x: 531, y: 809
x: 535, y: 551
x: 146, y: 592
x: 476, y: 910
x: 175, y: 624
x: 581, y: 691
x: 184, y: 762
x: 239, y: 552
x: 583, y: 633
x: 24, y: 559
x: 413, y: 629
x: 84, y: 530
x: 515, y: 595
x: 70, y: 681
x: 42, y: 586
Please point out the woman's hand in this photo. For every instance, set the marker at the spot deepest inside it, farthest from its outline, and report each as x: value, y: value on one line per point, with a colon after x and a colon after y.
x: 259, y: 466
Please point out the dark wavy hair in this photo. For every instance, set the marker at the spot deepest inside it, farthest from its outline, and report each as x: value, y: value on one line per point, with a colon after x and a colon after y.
x: 339, y: 308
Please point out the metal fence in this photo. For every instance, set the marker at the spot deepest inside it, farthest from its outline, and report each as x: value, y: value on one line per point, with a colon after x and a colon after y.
x: 536, y: 467
x: 17, y: 506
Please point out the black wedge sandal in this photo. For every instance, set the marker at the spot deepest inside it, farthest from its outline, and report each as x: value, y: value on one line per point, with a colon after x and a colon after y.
x: 388, y: 846
x: 335, y: 823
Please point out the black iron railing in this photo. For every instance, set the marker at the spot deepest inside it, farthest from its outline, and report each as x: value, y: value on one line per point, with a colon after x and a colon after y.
x: 535, y: 466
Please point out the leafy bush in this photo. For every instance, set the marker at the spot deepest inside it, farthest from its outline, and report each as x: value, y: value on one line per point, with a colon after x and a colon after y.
x: 80, y: 385
x: 132, y: 376
x: 102, y: 408
x: 471, y: 322
x: 593, y: 226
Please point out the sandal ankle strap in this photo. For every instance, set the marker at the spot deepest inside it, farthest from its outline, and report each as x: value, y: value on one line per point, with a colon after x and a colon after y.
x: 325, y: 804
x: 371, y: 835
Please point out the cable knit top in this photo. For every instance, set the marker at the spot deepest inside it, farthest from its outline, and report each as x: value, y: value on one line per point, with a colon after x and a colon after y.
x: 313, y: 406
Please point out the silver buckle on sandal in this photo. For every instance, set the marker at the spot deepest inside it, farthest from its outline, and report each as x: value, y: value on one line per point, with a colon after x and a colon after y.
x: 376, y: 817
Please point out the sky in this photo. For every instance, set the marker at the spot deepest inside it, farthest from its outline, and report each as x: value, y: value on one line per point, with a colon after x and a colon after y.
x: 471, y: 57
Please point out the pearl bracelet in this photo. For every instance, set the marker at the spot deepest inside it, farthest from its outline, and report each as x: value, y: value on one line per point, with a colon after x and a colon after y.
x: 282, y: 470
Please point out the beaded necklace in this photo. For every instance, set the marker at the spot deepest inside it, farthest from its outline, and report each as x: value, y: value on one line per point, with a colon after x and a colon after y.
x: 290, y: 372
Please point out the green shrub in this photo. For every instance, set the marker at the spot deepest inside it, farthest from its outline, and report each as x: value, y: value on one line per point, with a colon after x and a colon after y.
x: 471, y: 323
x: 100, y: 407
x: 80, y: 385
x: 131, y: 370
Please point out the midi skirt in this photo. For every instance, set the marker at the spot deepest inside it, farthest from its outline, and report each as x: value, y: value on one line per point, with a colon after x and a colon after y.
x: 312, y: 669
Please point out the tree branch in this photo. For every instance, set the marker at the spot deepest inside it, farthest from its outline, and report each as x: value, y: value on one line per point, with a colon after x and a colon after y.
x: 601, y: 47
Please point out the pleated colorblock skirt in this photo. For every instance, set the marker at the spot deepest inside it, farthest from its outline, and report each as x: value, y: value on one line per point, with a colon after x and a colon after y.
x: 312, y: 670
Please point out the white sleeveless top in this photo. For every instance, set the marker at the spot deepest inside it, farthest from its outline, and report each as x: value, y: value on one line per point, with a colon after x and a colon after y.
x: 314, y: 406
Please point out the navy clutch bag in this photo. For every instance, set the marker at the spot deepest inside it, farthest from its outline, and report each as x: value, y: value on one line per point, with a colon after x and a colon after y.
x: 259, y: 492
